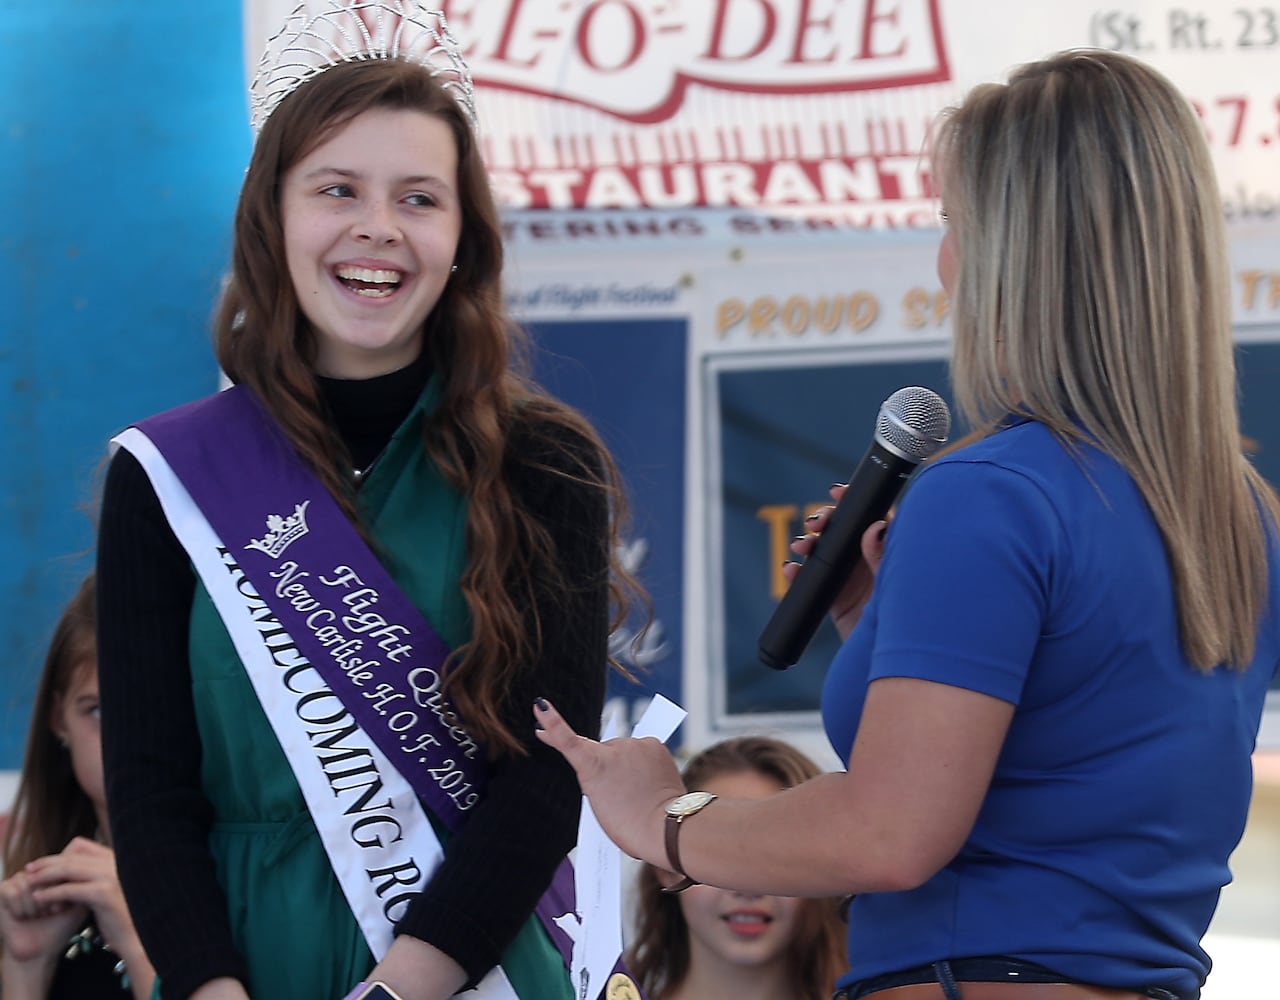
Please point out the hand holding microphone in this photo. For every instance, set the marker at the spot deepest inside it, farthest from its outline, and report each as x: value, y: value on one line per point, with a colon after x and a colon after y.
x: 912, y: 425
x: 853, y: 594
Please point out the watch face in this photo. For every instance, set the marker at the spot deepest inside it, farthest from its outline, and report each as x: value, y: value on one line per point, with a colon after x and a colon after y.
x: 377, y: 991
x: 689, y: 803
x: 374, y: 991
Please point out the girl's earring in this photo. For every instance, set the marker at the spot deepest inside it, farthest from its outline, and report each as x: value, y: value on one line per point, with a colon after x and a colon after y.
x: 454, y: 269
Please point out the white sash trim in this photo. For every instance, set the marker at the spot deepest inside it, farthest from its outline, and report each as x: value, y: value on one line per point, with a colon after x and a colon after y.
x: 379, y: 841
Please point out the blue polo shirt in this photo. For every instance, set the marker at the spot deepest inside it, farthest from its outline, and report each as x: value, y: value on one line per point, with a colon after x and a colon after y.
x: 1038, y: 576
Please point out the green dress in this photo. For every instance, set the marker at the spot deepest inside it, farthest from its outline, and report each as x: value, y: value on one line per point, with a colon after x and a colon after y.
x: 288, y: 915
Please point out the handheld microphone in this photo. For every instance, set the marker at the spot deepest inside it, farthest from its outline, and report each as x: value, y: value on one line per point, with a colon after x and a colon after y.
x: 912, y: 424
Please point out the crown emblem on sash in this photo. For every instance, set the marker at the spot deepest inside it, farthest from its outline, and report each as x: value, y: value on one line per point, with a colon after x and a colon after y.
x: 282, y: 531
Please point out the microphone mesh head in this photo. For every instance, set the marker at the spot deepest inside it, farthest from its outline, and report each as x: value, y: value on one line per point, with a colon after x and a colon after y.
x: 913, y: 423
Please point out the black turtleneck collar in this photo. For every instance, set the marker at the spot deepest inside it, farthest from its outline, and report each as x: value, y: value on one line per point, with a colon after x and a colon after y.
x: 366, y: 412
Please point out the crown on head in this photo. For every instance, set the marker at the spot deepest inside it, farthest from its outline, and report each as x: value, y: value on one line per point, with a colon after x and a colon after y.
x: 325, y: 33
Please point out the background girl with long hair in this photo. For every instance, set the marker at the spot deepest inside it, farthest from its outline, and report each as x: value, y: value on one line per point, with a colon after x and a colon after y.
x: 64, y: 925
x: 710, y: 943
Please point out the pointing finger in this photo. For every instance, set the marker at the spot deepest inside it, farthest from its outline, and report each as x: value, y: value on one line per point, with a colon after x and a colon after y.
x: 554, y: 731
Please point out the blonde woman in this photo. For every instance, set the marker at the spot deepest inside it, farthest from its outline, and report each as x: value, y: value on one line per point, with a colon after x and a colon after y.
x: 1049, y: 697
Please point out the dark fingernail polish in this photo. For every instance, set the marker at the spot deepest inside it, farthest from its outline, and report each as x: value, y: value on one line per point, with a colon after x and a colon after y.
x: 537, y: 724
x: 799, y: 538
x: 880, y: 533
x: 541, y: 703
x: 814, y: 516
x: 790, y: 562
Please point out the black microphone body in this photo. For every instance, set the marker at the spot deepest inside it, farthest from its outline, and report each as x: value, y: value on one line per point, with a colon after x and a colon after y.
x: 875, y: 485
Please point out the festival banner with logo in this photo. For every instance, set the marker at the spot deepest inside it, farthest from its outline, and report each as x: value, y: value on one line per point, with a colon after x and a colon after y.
x: 814, y: 108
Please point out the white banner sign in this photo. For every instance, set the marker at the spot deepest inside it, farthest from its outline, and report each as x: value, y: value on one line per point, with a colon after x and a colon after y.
x: 815, y: 108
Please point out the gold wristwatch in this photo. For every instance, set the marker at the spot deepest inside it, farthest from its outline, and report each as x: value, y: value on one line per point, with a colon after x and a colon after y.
x: 678, y: 810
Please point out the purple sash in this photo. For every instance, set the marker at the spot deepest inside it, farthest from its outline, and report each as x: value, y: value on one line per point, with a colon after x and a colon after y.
x: 346, y: 615
x: 322, y: 582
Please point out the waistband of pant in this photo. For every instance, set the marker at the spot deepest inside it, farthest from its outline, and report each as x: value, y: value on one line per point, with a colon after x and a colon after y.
x: 1001, y: 991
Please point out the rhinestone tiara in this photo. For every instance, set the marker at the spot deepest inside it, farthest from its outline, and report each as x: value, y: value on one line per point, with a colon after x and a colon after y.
x: 324, y: 33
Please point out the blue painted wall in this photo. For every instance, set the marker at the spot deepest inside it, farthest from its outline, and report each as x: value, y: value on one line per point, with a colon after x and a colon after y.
x: 123, y: 139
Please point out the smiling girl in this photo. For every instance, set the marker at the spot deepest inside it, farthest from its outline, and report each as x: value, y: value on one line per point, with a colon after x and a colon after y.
x: 303, y: 820
x: 714, y: 944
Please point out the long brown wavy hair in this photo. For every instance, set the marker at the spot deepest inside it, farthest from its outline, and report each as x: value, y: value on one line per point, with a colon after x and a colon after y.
x: 658, y: 958
x: 481, y: 358
x: 50, y: 808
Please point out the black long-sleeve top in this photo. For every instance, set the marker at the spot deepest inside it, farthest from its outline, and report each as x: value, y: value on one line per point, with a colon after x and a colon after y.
x: 494, y: 870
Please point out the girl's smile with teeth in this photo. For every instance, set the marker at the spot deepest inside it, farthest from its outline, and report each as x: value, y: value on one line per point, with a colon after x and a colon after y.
x: 369, y: 282
x: 748, y: 918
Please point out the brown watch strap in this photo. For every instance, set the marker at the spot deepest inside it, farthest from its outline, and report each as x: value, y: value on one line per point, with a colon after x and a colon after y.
x: 672, y: 834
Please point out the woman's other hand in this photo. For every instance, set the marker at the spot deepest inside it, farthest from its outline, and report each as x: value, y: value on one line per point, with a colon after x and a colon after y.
x: 629, y: 783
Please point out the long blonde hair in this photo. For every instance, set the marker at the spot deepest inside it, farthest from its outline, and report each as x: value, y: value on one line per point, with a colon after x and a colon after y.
x: 1092, y: 293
